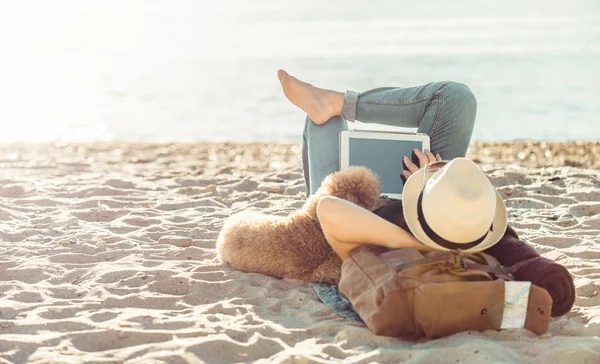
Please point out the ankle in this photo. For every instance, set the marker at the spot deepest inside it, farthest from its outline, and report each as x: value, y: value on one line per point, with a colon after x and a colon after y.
x: 337, y: 102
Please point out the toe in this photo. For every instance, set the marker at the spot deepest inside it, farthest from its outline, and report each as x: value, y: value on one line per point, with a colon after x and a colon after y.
x: 281, y: 74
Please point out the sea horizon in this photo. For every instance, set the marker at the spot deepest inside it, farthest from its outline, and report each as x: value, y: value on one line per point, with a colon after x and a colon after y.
x: 197, y: 71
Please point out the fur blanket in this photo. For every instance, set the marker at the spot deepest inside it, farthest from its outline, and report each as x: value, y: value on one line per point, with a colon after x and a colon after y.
x: 294, y: 246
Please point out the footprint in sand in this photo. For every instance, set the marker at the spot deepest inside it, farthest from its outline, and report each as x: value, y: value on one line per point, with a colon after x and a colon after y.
x: 108, y: 339
x: 290, y: 175
x: 503, y: 178
x: 294, y: 190
x: 27, y: 297
x: 103, y: 316
x: 223, y: 349
x: 58, y: 313
x: 100, y: 216
x: 592, y: 195
x: 202, y: 233
x: 556, y: 241
x: 112, y: 277
x: 5, y: 215
x: 65, y: 293
x: 527, y: 203
x: 25, y: 275
x: 585, y: 209
x: 141, y: 222
x: 587, y: 290
x: 545, y: 189
x: 592, y: 223
x: 172, y: 286
x: 120, y: 184
x: 45, y: 202
x: 566, y: 220
x: 154, y: 301
x: 9, y: 313
x: 245, y: 185
x: 195, y: 182
x: 213, y: 276
x: 272, y: 187
x: 151, y: 263
x: 12, y: 191
x: 225, y: 309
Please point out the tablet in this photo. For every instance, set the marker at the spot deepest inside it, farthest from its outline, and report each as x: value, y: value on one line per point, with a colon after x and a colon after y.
x: 381, y: 152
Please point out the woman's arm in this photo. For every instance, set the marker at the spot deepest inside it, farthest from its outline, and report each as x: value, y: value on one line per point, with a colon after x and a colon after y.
x: 347, y: 226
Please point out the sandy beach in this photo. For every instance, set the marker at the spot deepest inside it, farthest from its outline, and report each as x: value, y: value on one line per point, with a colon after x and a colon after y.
x: 107, y: 255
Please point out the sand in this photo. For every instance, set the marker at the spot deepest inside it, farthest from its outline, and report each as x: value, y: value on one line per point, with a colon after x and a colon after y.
x: 107, y: 254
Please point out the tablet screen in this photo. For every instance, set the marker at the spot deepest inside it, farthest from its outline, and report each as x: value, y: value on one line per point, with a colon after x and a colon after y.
x: 384, y: 157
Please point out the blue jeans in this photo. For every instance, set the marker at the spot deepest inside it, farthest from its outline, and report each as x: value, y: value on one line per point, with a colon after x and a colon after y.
x: 443, y: 110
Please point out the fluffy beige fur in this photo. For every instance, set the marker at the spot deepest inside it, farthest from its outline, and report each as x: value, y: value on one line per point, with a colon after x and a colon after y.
x: 294, y: 246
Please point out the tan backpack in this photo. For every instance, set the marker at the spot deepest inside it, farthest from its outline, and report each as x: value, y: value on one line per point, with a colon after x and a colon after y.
x: 406, y: 294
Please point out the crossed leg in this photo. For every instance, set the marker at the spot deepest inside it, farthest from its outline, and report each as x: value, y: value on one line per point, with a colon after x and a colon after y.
x: 443, y: 110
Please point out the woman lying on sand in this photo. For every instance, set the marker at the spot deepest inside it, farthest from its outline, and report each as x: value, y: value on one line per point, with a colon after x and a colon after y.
x: 297, y: 247
x: 443, y: 110
x: 344, y: 209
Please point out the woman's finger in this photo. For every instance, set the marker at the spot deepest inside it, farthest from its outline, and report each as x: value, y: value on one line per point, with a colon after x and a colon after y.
x: 430, y: 156
x: 410, y: 165
x: 423, y: 160
x: 438, y: 157
x: 404, y: 176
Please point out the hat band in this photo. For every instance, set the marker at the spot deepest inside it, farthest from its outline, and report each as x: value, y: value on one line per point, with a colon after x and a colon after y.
x: 438, y: 239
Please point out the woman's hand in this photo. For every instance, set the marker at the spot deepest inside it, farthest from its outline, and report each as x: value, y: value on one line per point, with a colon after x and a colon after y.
x: 424, y: 159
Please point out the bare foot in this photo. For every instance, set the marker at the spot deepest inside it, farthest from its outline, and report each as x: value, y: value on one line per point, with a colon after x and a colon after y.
x: 318, y: 103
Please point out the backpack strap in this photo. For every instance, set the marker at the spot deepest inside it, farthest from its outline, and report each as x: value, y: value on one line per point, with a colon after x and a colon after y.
x: 499, y: 270
x: 515, y: 267
x: 423, y: 261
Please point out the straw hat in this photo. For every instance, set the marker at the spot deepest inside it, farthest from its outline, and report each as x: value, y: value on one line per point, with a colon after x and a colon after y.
x: 455, y: 208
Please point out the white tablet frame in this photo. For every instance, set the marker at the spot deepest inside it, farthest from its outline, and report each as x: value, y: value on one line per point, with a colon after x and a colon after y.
x: 381, y: 135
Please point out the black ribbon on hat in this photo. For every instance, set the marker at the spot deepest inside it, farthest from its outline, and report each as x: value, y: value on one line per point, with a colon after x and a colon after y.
x: 438, y: 239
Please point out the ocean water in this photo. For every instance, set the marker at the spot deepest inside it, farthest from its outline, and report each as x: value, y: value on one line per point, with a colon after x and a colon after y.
x: 189, y: 70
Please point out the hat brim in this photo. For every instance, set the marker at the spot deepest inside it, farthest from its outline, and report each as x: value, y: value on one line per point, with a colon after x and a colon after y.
x: 410, y: 196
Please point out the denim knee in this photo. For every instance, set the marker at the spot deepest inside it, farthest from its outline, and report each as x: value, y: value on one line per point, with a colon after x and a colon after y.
x: 462, y: 95
x: 455, y: 121
x: 328, y: 131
